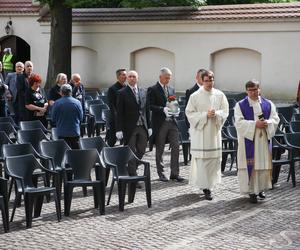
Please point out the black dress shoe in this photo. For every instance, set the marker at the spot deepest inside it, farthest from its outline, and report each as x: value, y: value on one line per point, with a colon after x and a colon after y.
x: 253, y: 198
x: 176, y: 178
x: 262, y: 195
x: 207, y: 194
x: 163, y: 178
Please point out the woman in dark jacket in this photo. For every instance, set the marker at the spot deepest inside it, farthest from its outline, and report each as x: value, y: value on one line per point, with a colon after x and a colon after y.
x: 35, y: 100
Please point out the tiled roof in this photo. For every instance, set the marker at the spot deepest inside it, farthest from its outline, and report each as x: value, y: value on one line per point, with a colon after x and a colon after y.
x: 205, y: 13
x: 18, y: 7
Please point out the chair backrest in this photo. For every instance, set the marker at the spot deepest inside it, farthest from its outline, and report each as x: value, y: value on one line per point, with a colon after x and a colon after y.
x: 286, y: 111
x: 82, y: 161
x: 4, y: 140
x: 231, y: 102
x: 183, y: 130
x: 8, y: 128
x: 54, y: 135
x: 10, y: 150
x: 33, y: 136
x: 26, y: 125
x: 88, y: 98
x: 296, y: 117
x: 292, y: 139
x: 295, y: 126
x: 92, y: 142
x: 103, y: 98
x: 106, y: 116
x: 22, y: 166
x: 119, y: 157
x: 231, y: 132
x: 56, y: 150
x: 96, y: 111
x: 88, y: 103
x: 8, y: 119
x: 94, y: 94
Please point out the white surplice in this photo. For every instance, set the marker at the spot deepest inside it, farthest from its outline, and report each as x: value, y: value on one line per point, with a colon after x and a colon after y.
x: 205, y: 134
x: 262, y: 171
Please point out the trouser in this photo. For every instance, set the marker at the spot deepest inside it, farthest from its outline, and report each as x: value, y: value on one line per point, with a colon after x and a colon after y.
x: 111, y: 135
x: 71, y: 141
x: 168, y: 131
x: 137, y: 143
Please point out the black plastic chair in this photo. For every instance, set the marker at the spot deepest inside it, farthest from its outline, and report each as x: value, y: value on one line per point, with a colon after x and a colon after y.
x: 21, y: 168
x: 9, y: 130
x: 4, y: 204
x: 97, y: 112
x: 11, y: 150
x: 278, y: 148
x: 33, y: 136
x: 231, y: 102
x: 296, y: 117
x: 81, y: 163
x: 103, y: 98
x: 293, y: 142
x: 54, y: 135
x: 229, y: 147
x: 184, y: 139
x: 28, y: 125
x: 10, y: 120
x: 3, y: 141
x: 94, y: 94
x: 88, y: 103
x: 55, y: 152
x: 117, y: 159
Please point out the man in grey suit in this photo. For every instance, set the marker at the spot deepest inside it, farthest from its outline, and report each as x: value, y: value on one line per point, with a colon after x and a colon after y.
x: 133, y: 118
x: 11, y: 82
x: 164, y: 125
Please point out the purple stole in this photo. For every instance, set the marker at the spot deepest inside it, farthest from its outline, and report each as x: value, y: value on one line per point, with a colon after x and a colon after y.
x: 249, y: 115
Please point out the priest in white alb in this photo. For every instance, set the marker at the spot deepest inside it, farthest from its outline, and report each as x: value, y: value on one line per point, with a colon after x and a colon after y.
x: 206, y: 111
x: 256, y: 122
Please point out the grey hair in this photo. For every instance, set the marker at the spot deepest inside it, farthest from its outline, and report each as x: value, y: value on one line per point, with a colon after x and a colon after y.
x: 165, y: 71
x: 59, y: 75
x: 20, y: 63
x: 75, y: 75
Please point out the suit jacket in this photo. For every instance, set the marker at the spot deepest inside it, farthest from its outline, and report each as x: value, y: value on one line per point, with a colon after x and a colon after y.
x: 128, y: 111
x: 11, y: 82
x: 157, y: 101
x: 188, y: 93
x: 112, y: 100
x: 22, y: 86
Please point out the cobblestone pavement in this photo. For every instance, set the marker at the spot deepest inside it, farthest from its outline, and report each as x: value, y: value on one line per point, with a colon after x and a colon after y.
x: 180, y: 218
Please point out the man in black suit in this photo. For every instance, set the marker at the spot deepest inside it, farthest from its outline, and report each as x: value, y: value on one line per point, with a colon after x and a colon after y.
x: 133, y: 118
x: 112, y: 103
x: 164, y: 125
x: 193, y: 89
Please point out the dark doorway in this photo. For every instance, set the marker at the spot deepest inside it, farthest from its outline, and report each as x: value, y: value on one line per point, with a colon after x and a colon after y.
x: 19, y: 48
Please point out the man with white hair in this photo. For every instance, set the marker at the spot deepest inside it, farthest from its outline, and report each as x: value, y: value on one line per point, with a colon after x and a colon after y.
x: 164, y: 125
x: 11, y: 82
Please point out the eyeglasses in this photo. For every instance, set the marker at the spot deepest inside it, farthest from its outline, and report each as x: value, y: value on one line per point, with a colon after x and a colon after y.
x: 252, y: 90
x: 211, y: 80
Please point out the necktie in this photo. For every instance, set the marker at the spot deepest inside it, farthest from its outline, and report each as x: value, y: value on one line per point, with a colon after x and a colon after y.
x: 136, y: 95
x: 166, y: 91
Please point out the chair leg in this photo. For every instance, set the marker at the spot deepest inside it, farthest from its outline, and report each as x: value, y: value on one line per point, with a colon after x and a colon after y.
x: 4, y: 215
x: 16, y: 202
x: 148, y: 192
x: 84, y: 191
x: 10, y: 187
x: 224, y: 160
x: 292, y: 170
x: 110, y: 191
x: 121, y: 192
x: 38, y: 205
x: 28, y: 209
x: 101, y: 198
x: 57, y: 206
x: 107, y: 172
x: 68, y: 199
x: 47, y: 181
x: 96, y: 196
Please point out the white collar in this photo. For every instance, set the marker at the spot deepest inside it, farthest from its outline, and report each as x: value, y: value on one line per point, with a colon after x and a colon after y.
x: 252, y: 102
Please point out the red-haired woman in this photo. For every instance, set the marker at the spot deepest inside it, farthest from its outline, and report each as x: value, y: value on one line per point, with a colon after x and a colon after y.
x: 35, y: 100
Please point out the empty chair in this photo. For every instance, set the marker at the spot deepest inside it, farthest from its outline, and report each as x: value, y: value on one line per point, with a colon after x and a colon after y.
x: 10, y: 120
x: 97, y: 112
x: 293, y: 142
x: 27, y: 125
x: 21, y: 169
x: 88, y: 103
x: 4, y: 204
x: 9, y: 130
x: 117, y: 159
x: 285, y: 114
x: 184, y: 139
x: 55, y: 152
x: 231, y: 102
x: 103, y: 98
x: 3, y: 140
x: 54, y: 135
x: 33, y: 136
x: 229, y: 147
x: 81, y: 163
x: 92, y: 93
x: 296, y: 117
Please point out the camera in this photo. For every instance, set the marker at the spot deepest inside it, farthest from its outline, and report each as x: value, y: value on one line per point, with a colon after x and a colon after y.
x: 261, y: 117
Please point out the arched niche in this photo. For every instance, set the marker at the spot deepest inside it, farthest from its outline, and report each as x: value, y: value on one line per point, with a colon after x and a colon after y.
x: 233, y: 67
x: 148, y: 61
x: 84, y: 62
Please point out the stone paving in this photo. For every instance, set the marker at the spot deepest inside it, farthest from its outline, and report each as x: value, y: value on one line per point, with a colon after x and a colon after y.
x: 180, y: 218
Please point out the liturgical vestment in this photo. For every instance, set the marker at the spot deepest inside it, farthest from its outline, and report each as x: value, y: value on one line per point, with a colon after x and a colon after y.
x: 254, y: 149
x: 206, y: 139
